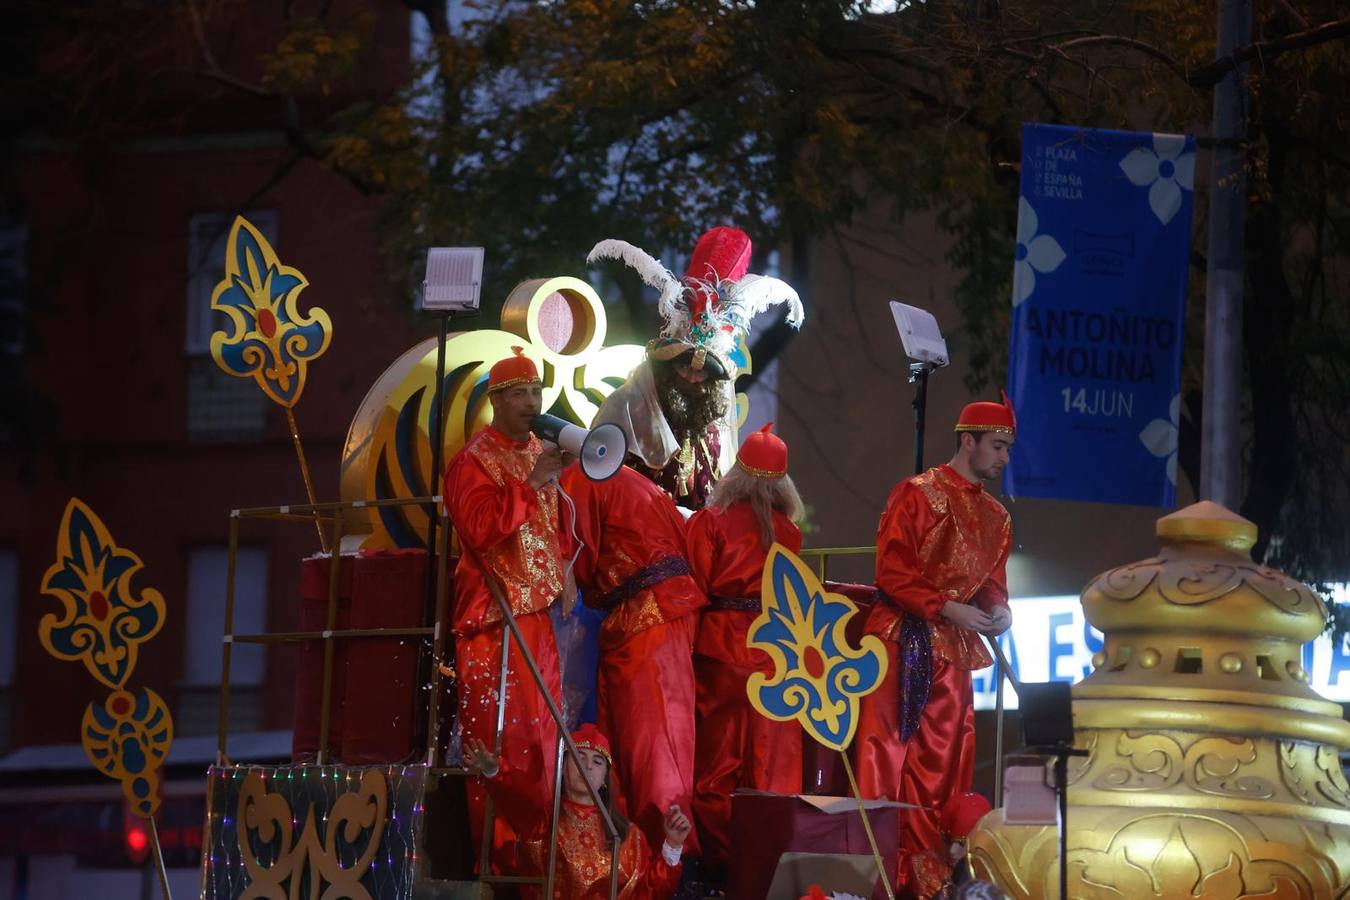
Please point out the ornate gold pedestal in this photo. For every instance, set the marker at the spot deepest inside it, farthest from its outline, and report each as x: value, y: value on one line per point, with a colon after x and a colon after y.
x: 1213, y: 768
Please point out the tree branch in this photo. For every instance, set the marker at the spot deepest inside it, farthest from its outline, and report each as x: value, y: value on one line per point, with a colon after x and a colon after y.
x: 1209, y: 75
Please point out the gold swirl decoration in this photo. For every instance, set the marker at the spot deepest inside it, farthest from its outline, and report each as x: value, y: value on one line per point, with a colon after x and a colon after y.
x: 560, y: 322
x: 268, y: 819
x: 1212, y: 768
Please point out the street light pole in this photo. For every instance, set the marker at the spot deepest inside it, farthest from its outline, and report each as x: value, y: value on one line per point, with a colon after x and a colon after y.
x: 1220, y: 463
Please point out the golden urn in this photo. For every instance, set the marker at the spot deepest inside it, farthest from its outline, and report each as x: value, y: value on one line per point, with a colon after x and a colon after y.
x: 1213, y: 770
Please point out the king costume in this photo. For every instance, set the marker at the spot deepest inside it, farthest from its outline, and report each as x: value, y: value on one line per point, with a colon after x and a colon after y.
x: 941, y: 538
x: 706, y: 315
x: 633, y: 566
x: 507, y: 532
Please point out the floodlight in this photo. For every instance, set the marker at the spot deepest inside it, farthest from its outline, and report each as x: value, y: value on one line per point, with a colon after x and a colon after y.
x: 920, y: 335
x: 454, y: 277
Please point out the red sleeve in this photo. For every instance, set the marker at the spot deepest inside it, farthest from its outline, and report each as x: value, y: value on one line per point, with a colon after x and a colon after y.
x: 907, y: 519
x: 702, y: 538
x: 660, y: 880
x: 485, y: 514
x: 994, y: 592
x: 586, y: 501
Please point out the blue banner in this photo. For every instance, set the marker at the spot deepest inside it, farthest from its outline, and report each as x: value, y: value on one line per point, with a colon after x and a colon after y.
x: 1099, y: 296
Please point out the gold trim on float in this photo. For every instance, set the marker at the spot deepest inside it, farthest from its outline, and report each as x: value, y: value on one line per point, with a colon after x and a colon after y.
x: 1274, y: 702
x: 1211, y: 718
x: 1275, y: 809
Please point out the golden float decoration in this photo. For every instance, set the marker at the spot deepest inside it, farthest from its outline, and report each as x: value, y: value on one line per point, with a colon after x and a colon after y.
x: 1213, y: 768
x: 560, y: 323
x: 266, y: 820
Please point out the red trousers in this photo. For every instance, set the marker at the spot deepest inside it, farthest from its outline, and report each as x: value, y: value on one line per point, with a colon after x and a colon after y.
x: 938, y: 761
x: 522, y: 791
x: 646, y: 700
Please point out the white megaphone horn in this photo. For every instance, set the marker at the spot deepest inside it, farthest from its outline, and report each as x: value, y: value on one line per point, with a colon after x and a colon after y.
x: 600, y: 450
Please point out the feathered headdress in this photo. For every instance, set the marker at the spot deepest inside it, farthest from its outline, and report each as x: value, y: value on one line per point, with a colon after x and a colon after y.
x: 712, y: 306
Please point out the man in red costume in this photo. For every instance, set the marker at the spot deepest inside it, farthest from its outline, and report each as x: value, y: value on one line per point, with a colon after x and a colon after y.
x: 504, y: 508
x: 678, y: 407
x: 634, y: 566
x: 942, y: 551
x: 753, y: 506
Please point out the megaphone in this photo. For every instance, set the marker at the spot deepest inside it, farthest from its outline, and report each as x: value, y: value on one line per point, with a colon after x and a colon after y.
x: 600, y: 450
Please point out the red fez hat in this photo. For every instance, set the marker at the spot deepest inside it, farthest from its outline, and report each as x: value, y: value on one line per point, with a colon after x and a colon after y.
x: 986, y: 416
x: 590, y: 738
x: 764, y: 454
x: 513, y: 370
x: 721, y: 254
x: 961, y: 812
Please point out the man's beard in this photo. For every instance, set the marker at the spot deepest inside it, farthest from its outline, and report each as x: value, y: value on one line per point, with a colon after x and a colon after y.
x: 689, y: 408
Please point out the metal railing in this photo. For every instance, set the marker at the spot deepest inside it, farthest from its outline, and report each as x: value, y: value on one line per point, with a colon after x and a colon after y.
x: 824, y: 554
x: 332, y: 515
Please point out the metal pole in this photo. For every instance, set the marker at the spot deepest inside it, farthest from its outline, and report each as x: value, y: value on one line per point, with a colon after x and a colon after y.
x: 304, y: 474
x: 918, y: 375
x: 325, y: 700
x: 428, y: 660
x: 557, y: 816
x: 489, y: 808
x: 158, y: 855
x: 438, y: 643
x: 227, y: 641
x: 1062, y: 795
x: 1220, y: 463
x: 998, y: 732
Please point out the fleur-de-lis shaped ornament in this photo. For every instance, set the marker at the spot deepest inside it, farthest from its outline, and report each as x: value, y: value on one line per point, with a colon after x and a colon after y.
x: 818, y: 678
x: 103, y: 621
x: 127, y: 739
x: 268, y: 339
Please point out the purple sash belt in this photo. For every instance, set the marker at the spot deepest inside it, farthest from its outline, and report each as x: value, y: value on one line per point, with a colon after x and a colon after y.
x: 655, y: 573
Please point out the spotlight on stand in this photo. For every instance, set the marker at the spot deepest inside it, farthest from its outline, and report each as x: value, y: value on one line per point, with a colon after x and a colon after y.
x: 453, y: 280
x: 923, y: 343
x: 600, y: 450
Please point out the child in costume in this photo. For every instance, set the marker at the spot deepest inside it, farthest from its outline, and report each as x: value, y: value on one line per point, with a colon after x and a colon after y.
x: 584, y: 857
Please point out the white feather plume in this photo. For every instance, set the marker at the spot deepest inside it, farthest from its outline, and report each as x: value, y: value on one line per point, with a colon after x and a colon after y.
x: 653, y: 273
x: 755, y: 293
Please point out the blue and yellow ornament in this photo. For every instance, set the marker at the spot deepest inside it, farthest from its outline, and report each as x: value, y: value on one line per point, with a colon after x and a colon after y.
x: 127, y: 739
x: 269, y: 339
x: 818, y: 678
x: 103, y: 620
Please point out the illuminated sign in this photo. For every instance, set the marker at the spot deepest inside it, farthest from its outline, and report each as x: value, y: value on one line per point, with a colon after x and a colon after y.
x: 1051, y: 641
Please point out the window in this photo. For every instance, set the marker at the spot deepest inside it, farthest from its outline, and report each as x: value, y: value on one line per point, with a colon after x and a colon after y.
x: 221, y: 407
x: 200, y: 688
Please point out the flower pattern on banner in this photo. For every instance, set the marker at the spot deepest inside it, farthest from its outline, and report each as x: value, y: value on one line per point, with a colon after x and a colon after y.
x: 1166, y: 171
x: 818, y: 678
x: 268, y: 339
x: 103, y: 622
x: 1035, y: 252
x: 1162, y: 437
x: 127, y: 739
